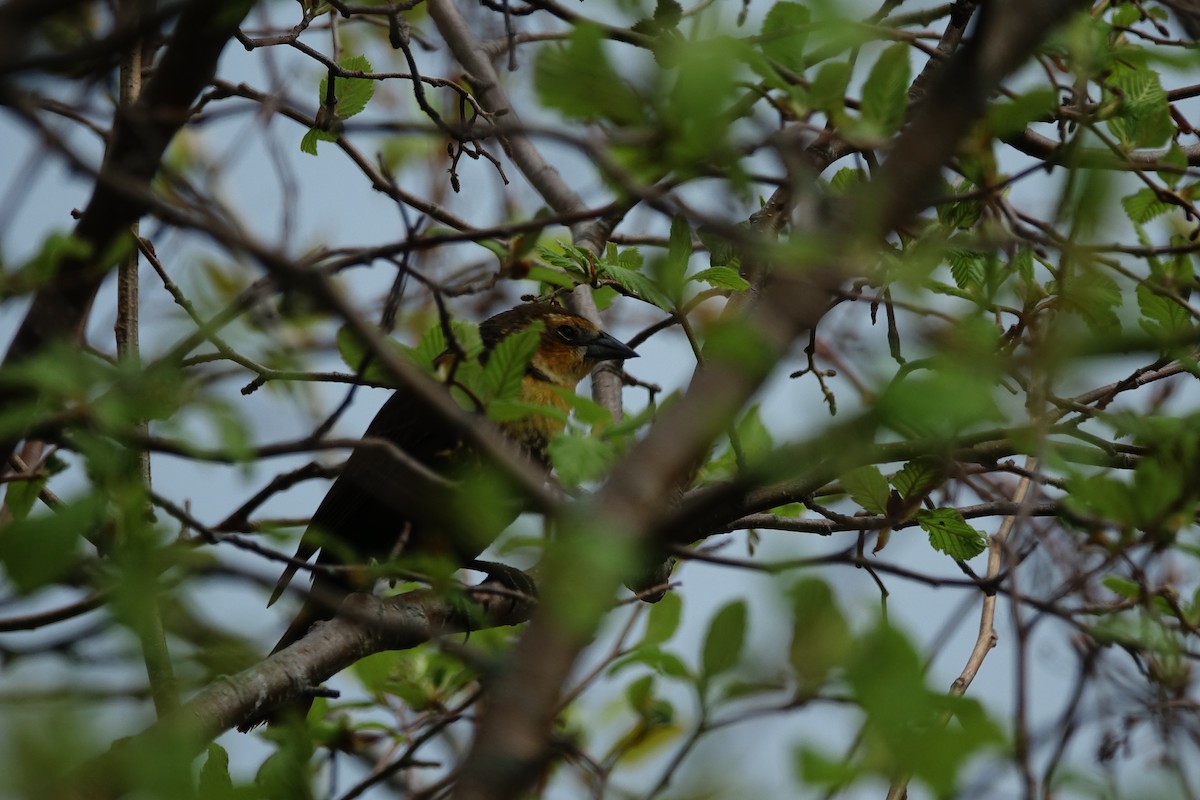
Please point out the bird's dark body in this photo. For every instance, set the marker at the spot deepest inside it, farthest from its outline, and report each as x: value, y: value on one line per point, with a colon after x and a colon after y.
x: 377, y: 510
x: 374, y: 511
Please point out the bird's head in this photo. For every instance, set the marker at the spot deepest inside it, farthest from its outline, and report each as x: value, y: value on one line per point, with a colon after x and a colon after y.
x: 570, y: 347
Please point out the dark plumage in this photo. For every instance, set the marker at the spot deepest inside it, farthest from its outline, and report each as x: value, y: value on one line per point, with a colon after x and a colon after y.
x: 376, y: 510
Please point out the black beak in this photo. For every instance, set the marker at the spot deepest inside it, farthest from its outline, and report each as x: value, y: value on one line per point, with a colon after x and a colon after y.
x: 607, y: 348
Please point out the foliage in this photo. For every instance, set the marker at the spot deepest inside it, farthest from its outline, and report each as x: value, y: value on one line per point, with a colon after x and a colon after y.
x: 918, y: 352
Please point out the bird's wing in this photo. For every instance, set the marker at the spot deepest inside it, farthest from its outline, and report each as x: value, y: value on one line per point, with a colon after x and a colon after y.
x: 368, y: 505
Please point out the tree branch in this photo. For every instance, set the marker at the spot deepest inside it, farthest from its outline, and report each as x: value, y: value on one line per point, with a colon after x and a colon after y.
x: 511, y: 741
x: 140, y: 136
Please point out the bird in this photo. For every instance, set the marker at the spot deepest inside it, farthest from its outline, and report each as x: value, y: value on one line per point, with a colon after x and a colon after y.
x: 375, y: 510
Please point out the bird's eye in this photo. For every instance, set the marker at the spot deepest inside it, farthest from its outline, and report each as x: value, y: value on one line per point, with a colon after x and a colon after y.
x: 567, y: 333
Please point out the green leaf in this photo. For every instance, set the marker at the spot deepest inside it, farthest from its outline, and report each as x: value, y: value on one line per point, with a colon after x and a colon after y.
x: 753, y: 436
x: 735, y: 342
x: 308, y: 143
x: 1126, y: 15
x: 919, y: 477
x: 507, y: 362
x: 214, y: 782
x: 905, y: 722
x: 21, y: 495
x: 640, y: 694
x: 466, y: 334
x: 586, y: 410
x: 578, y: 459
x: 1144, y: 116
x: 579, y: 81
x: 885, y: 92
x: 663, y: 620
x: 655, y: 658
x: 725, y: 638
x: 753, y: 439
x: 432, y: 345
x: 722, y: 278
x: 568, y: 258
x: 821, y: 638
x: 1123, y: 587
x: 1144, y: 205
x: 353, y: 352
x: 37, y: 550
x: 1101, y: 496
x: 639, y: 285
x: 351, y: 97
x: 550, y: 276
x: 1011, y: 117
x: 828, y: 90
x: 867, y: 487
x: 949, y: 533
x: 962, y: 214
x: 696, y: 114
x: 820, y: 769
x: 847, y: 178
x: 631, y: 423
x: 1094, y: 297
x: 784, y: 31
x: 55, y: 248
x: 376, y: 670
x: 285, y: 773
x: 1177, y: 160
x: 352, y: 94
x: 1163, y: 316
x: 966, y: 267
x: 679, y: 252
x: 513, y: 410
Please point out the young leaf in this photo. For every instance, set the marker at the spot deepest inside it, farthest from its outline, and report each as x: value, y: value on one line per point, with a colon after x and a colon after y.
x: 1144, y: 116
x: 1162, y: 316
x: 722, y: 278
x: 919, y: 477
x: 1144, y: 205
x: 513, y: 410
x: 354, y: 353
x: 579, y: 81
x: 1095, y: 299
x: 638, y: 284
x: 725, y: 638
x: 432, y: 345
x: 828, y: 90
x: 885, y: 92
x: 1123, y: 587
x: 821, y: 638
x: 214, y: 782
x: 578, y: 459
x: 949, y: 533
x: 663, y: 620
x: 506, y: 364
x: 586, y: 410
x: 679, y: 252
x: 36, y: 550
x: 20, y: 496
x: 1010, y: 117
x: 353, y: 94
x: 784, y: 31
x: 867, y: 487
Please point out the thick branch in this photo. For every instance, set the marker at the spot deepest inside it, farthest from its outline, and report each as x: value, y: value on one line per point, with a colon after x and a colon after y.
x: 366, y: 625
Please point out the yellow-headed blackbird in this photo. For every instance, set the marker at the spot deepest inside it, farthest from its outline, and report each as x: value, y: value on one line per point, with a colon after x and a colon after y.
x: 374, y: 510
